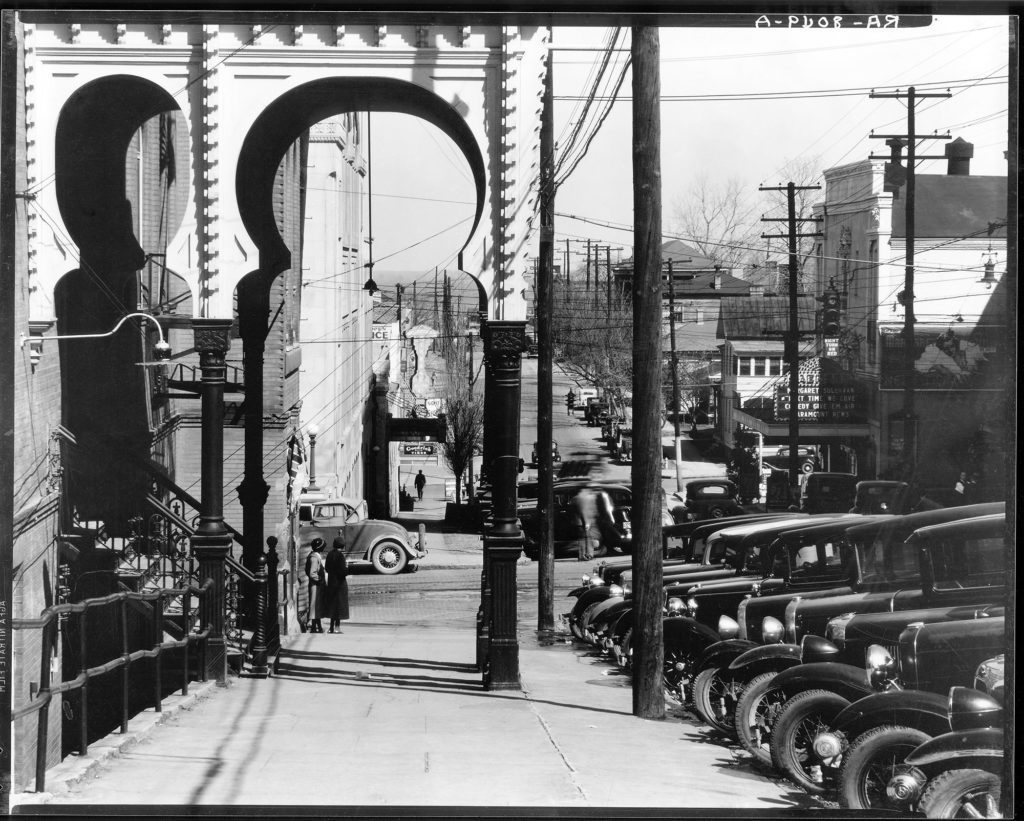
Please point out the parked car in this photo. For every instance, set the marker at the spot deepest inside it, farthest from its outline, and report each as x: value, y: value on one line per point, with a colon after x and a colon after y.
x: 611, y: 502
x: 555, y: 455
x: 959, y: 774
x: 869, y: 740
x: 812, y: 556
x: 828, y: 492
x: 705, y: 499
x: 894, y: 576
x: 807, y: 457
x: 924, y: 650
x: 386, y: 545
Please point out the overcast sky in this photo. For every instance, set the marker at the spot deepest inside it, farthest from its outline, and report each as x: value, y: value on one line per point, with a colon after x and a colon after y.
x: 422, y: 185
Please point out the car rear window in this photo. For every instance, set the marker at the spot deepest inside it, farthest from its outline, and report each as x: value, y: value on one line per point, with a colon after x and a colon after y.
x: 710, y: 490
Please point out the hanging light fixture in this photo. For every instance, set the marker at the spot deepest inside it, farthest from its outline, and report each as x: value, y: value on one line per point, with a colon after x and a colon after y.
x: 369, y: 285
x: 989, y: 278
x: 161, y: 349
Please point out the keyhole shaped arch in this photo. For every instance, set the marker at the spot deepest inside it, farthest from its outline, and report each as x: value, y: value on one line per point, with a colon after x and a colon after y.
x: 287, y: 117
x: 94, y: 131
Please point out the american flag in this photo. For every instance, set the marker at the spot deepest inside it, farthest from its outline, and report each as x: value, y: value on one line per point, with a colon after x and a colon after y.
x: 295, y: 465
x: 167, y: 160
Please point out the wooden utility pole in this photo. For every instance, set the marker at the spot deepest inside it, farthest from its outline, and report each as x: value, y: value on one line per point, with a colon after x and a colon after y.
x: 648, y: 592
x: 909, y: 345
x: 1010, y: 282
x: 792, y: 336
x: 542, y: 314
x: 675, y: 375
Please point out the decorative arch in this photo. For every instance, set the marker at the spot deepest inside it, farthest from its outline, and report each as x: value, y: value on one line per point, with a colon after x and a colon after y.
x: 94, y: 130
x: 284, y: 120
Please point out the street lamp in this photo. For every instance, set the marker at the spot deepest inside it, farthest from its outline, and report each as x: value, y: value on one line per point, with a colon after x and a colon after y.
x: 161, y: 350
x: 312, y: 429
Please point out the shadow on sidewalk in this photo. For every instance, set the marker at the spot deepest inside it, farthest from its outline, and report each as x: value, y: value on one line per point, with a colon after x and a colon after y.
x: 385, y: 662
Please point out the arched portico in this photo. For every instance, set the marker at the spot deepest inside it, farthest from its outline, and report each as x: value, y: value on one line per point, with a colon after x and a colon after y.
x: 245, y: 88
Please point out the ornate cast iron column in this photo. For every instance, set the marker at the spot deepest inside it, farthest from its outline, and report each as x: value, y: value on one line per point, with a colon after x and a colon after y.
x: 253, y: 313
x: 212, y: 542
x: 483, y: 616
x: 504, y: 342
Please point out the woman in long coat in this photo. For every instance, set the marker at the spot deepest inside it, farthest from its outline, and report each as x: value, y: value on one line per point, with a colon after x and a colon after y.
x: 317, y: 586
x: 337, y: 584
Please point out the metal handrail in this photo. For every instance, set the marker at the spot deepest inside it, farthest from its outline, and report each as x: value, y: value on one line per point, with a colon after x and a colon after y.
x: 51, y: 616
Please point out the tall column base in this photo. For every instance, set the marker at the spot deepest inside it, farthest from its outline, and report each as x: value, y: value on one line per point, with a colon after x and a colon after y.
x: 502, y: 668
x: 210, y: 553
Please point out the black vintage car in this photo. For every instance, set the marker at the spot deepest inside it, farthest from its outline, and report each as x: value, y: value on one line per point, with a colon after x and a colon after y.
x: 915, y: 655
x: 611, y: 503
x: 828, y: 492
x: 814, y: 556
x: 959, y: 774
x: 895, y: 576
x: 866, y: 743
x: 705, y: 499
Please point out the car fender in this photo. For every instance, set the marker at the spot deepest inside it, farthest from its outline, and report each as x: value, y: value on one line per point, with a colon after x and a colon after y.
x: 842, y: 679
x: 576, y: 592
x: 682, y: 631
x: 721, y: 653
x: 917, y: 709
x: 765, y: 658
x: 985, y: 743
x: 389, y: 537
x: 591, y: 595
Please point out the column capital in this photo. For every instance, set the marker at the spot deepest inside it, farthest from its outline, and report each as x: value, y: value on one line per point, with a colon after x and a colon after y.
x: 212, y: 335
x: 504, y: 336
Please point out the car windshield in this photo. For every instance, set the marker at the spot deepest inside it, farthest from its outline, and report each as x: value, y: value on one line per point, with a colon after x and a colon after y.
x: 336, y: 511
x: 971, y: 562
x: 885, y: 560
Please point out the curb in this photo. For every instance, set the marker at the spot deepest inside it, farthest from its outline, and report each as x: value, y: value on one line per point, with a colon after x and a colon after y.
x: 75, y: 768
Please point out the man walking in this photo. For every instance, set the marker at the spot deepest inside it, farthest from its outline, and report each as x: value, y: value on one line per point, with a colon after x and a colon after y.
x: 570, y: 403
x: 420, y: 481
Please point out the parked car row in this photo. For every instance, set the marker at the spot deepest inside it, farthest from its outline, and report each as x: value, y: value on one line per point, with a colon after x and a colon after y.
x: 834, y: 647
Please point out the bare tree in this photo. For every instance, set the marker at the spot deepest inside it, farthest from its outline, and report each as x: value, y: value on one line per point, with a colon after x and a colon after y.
x: 803, y: 171
x: 594, y: 342
x: 694, y: 373
x: 464, y: 414
x: 719, y: 219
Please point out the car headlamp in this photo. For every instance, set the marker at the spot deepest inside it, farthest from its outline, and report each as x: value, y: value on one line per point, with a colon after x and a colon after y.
x: 879, y: 660
x: 627, y: 588
x: 692, y: 605
x: 727, y: 628
x: 835, y: 630
x: 615, y: 590
x: 675, y: 605
x: 585, y: 579
x: 772, y: 630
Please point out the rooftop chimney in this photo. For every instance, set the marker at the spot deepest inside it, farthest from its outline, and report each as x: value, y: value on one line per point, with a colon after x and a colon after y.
x: 958, y: 155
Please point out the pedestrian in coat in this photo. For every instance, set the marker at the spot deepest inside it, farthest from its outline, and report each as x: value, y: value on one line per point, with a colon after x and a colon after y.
x: 337, y: 585
x: 317, y: 584
x: 420, y: 481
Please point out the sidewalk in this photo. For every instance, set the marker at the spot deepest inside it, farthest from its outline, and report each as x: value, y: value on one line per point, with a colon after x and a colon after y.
x: 394, y: 716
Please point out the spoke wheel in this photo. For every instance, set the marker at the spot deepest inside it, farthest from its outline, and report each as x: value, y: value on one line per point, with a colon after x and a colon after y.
x: 388, y: 558
x: 962, y: 794
x: 872, y: 760
x: 756, y: 711
x: 714, y: 699
x: 678, y: 669
x: 792, y: 741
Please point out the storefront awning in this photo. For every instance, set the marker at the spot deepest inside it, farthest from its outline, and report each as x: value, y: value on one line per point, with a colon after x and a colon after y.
x: 815, y: 431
